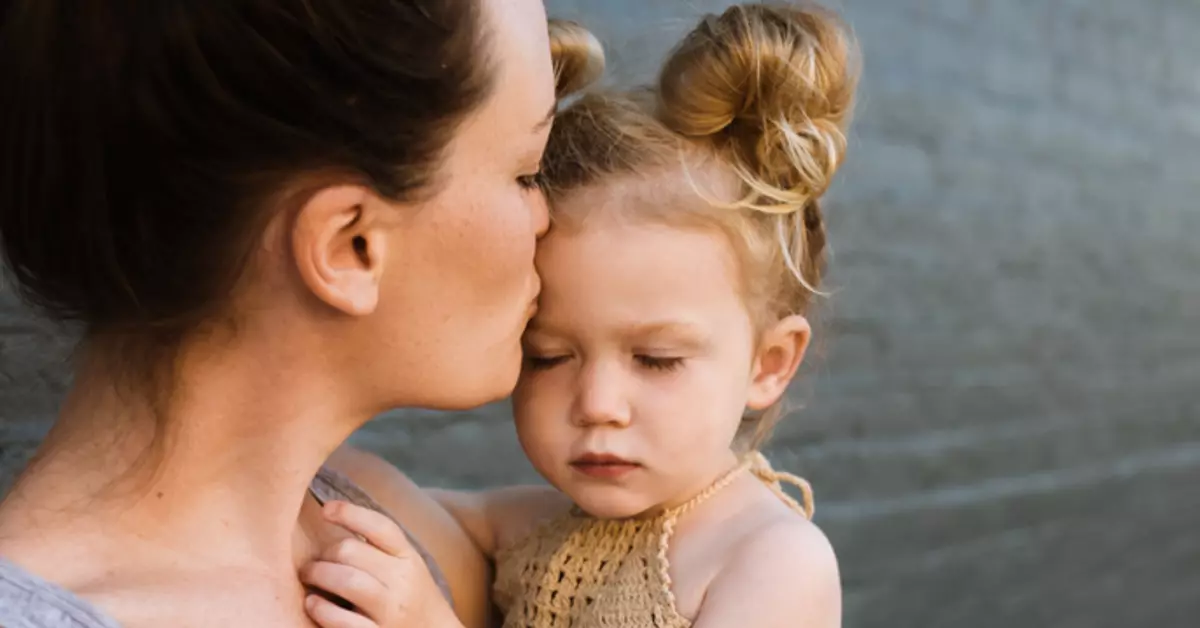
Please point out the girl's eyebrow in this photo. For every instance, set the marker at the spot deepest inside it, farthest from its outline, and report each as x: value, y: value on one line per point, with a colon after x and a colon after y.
x: 678, y: 331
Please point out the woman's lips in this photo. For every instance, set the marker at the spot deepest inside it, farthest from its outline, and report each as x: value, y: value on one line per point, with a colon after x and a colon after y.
x: 604, y: 466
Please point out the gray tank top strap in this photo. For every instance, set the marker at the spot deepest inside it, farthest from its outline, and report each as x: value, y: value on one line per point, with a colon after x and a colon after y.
x: 329, y: 485
x: 27, y: 601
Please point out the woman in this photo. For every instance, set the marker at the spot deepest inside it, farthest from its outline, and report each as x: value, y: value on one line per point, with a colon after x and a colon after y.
x: 274, y: 219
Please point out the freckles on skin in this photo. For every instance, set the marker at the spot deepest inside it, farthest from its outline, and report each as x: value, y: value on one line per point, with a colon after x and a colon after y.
x: 461, y: 231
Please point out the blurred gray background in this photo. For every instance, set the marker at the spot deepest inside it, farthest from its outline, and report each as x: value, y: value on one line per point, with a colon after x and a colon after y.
x: 1003, y: 424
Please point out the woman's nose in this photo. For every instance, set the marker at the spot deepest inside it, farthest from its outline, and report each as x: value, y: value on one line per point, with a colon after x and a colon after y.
x: 541, y: 213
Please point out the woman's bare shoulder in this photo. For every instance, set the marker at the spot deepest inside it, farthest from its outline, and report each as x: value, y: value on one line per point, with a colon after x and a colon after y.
x: 381, y: 479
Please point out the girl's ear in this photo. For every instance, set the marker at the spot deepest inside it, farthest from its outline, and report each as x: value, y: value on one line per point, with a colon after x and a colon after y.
x: 779, y: 354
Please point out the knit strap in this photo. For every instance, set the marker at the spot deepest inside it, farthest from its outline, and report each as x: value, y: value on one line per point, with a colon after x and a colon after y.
x: 761, y: 468
x: 702, y: 496
x: 670, y: 517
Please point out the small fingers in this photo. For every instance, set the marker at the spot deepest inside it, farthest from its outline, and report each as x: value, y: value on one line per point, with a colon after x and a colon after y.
x: 366, y: 592
x: 394, y: 572
x: 326, y: 614
x: 377, y: 528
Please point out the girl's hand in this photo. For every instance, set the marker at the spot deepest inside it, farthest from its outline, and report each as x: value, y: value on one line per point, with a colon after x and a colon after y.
x: 379, y: 573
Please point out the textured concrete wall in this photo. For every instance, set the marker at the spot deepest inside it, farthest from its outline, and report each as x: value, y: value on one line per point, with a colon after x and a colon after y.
x: 1004, y: 426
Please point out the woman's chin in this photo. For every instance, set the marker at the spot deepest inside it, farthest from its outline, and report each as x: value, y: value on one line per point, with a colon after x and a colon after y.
x: 483, y: 388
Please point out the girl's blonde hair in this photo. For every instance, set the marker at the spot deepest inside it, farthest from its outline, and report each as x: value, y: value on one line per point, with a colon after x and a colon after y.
x: 577, y: 55
x: 764, y: 92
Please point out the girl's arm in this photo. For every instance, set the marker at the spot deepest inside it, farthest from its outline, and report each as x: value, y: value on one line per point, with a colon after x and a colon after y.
x: 783, y: 577
x: 499, y: 517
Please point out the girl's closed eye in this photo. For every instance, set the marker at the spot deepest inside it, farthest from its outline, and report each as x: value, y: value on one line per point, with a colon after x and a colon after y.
x: 659, y: 363
x: 540, y: 362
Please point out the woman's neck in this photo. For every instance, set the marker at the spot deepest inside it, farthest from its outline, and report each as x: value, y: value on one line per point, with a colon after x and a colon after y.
x: 215, y: 475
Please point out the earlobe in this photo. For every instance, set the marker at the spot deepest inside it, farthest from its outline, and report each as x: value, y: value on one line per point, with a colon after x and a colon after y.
x: 780, y: 352
x: 338, y: 247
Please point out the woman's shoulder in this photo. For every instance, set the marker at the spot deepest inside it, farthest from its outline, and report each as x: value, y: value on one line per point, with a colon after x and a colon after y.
x: 28, y: 601
x: 367, y: 479
x: 466, y: 570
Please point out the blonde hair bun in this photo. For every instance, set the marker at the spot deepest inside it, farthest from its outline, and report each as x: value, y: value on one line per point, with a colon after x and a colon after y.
x: 577, y: 54
x: 772, y: 84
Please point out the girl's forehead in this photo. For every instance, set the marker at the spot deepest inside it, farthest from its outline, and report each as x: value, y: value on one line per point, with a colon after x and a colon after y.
x: 643, y: 261
x: 686, y: 186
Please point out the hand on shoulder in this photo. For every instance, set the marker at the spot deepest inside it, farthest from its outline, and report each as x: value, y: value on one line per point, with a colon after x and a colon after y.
x: 466, y: 569
x: 377, y: 576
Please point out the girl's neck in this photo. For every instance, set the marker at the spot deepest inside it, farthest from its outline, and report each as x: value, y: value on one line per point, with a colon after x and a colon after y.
x: 217, y: 475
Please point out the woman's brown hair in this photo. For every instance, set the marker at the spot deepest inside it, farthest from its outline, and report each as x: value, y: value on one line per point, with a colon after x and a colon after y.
x: 141, y: 143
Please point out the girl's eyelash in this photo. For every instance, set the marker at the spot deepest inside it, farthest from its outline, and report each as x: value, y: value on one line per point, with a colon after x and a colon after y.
x: 541, y: 363
x: 659, y: 364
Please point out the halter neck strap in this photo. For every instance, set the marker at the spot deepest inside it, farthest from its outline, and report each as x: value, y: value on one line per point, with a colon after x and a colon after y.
x: 775, y: 479
x: 702, y: 496
x: 757, y: 464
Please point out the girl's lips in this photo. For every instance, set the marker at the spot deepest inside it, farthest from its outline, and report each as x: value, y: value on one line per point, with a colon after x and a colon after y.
x: 604, y: 466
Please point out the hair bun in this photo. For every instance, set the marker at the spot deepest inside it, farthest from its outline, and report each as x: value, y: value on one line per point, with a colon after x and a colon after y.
x: 773, y: 84
x: 578, y: 57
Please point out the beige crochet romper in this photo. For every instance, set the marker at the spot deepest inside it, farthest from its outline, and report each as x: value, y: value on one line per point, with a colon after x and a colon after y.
x: 581, y: 572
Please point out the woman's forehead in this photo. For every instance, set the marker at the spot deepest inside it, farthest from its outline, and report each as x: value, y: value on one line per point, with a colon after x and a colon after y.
x: 520, y: 50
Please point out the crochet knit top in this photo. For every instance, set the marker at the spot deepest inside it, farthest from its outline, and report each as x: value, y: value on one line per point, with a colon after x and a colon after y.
x: 582, y: 572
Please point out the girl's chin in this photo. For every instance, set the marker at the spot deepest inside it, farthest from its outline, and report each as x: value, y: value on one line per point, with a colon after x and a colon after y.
x: 611, y: 507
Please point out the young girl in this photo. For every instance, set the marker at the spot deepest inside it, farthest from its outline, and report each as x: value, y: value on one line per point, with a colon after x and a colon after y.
x: 686, y: 247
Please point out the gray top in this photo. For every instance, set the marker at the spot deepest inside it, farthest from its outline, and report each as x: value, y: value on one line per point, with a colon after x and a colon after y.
x: 27, y: 601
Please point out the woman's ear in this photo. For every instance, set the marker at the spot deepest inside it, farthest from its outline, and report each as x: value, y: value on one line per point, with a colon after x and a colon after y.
x: 339, y: 245
x: 780, y: 352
